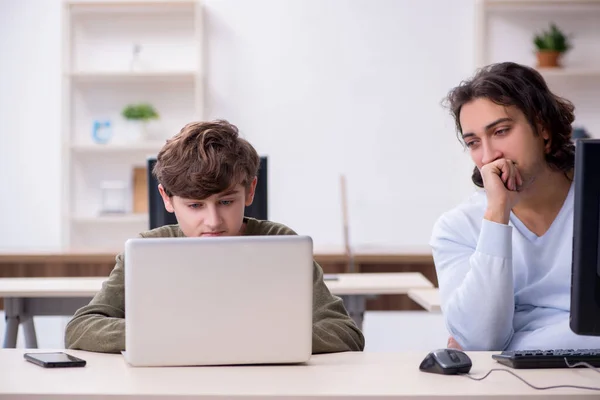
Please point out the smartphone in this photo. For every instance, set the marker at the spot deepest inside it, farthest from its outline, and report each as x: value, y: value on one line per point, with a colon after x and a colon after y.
x: 54, y: 360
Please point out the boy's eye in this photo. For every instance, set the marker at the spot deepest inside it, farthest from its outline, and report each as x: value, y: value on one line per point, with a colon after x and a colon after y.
x: 194, y: 205
x: 501, y: 131
x: 471, y: 143
x: 226, y: 202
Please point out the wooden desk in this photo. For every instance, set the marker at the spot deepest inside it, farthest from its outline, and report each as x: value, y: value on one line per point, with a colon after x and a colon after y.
x: 331, y: 376
x: 374, y: 255
x: 29, y: 297
x: 323, y: 255
x: 371, y: 259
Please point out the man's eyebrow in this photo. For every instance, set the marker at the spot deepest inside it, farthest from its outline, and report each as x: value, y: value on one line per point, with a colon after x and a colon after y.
x: 498, y: 121
x: 488, y: 126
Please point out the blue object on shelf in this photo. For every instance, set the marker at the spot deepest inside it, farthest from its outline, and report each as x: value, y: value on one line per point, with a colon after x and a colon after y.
x: 102, y: 131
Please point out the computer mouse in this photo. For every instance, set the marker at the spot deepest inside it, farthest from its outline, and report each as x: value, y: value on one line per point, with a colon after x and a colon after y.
x: 447, y: 362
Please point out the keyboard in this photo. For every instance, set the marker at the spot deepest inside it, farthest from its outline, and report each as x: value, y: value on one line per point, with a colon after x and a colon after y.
x: 547, y: 358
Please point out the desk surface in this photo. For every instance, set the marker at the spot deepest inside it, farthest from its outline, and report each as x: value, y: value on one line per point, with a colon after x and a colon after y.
x: 347, y: 284
x: 378, y: 283
x: 428, y: 298
x: 343, y: 375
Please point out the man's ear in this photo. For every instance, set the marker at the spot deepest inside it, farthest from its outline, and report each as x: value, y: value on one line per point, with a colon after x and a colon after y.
x: 547, y: 141
x: 545, y: 134
x: 250, y: 192
x: 166, y: 199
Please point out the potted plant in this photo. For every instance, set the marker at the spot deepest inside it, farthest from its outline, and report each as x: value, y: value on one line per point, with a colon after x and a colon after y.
x: 139, y: 115
x: 551, y: 45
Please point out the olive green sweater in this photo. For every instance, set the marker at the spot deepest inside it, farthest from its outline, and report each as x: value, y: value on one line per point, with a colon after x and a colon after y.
x: 100, y: 326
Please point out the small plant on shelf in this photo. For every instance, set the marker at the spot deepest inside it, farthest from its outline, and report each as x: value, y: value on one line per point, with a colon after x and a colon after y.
x: 551, y: 45
x: 143, y: 112
x: 138, y: 117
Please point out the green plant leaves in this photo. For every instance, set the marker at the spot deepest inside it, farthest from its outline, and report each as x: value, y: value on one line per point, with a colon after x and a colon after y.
x: 552, y: 40
x: 141, y: 111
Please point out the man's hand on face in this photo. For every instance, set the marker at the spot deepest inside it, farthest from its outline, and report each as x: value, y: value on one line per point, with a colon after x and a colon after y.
x: 502, y: 181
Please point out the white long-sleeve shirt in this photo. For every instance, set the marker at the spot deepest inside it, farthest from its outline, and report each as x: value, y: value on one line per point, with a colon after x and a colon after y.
x: 501, y: 286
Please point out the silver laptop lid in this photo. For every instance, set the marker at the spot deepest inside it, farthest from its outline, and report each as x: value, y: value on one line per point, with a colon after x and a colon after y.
x: 226, y: 300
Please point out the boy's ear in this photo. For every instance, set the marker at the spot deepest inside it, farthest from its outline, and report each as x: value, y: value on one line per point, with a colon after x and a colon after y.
x: 250, y: 192
x: 166, y: 199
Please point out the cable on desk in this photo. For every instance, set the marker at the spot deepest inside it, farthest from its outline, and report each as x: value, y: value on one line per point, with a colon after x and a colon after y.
x: 579, y: 364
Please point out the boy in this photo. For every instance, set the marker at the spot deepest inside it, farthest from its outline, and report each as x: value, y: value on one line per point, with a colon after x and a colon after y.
x: 503, y: 258
x: 207, y: 176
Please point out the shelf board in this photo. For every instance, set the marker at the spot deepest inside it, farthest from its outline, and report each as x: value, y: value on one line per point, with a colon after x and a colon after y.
x: 542, y: 5
x: 527, y: 3
x: 144, y: 147
x: 126, y: 76
x: 129, y: 3
x: 569, y: 72
x: 111, y: 219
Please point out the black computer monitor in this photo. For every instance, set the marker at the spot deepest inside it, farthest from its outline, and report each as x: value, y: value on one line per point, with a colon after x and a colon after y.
x: 585, y: 283
x: 159, y: 216
x: 259, y: 208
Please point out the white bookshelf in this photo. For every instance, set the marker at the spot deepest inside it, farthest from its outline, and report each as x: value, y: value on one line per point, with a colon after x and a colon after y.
x: 539, y: 5
x: 147, y: 147
x: 135, y: 4
x: 570, y: 72
x: 504, y: 31
x: 111, y: 219
x: 526, y: 17
x: 126, y: 76
x: 99, y: 80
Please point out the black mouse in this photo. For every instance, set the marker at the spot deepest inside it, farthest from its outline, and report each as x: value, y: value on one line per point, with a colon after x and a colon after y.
x: 447, y: 362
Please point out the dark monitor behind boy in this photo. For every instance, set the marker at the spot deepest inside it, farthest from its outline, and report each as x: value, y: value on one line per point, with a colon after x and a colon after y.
x: 159, y: 216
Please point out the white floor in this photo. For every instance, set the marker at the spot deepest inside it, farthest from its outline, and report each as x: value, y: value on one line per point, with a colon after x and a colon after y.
x: 385, y: 331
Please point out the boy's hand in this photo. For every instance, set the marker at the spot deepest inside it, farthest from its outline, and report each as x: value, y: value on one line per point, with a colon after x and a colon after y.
x: 501, y: 180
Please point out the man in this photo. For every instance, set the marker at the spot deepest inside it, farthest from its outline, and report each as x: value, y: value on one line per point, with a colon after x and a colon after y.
x: 503, y: 258
x: 207, y: 177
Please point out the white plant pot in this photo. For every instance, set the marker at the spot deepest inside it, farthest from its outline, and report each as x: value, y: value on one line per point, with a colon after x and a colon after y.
x: 135, y: 131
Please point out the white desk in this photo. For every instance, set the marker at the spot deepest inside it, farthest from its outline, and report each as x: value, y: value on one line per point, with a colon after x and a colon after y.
x: 25, y: 298
x: 331, y: 376
x: 428, y: 298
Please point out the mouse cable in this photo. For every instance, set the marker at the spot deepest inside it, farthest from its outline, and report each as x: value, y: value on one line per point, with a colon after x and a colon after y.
x: 579, y: 364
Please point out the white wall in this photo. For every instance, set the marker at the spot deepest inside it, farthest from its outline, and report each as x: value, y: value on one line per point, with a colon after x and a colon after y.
x: 322, y: 87
x: 325, y: 87
x: 30, y: 118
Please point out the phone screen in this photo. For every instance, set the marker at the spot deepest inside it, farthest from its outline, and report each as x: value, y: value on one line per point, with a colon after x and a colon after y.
x: 54, y: 359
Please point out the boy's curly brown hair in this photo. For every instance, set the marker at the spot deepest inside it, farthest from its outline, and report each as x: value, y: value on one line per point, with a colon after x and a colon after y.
x: 205, y: 158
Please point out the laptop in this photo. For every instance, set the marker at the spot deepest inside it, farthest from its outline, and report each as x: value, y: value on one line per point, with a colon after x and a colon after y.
x: 218, y: 301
